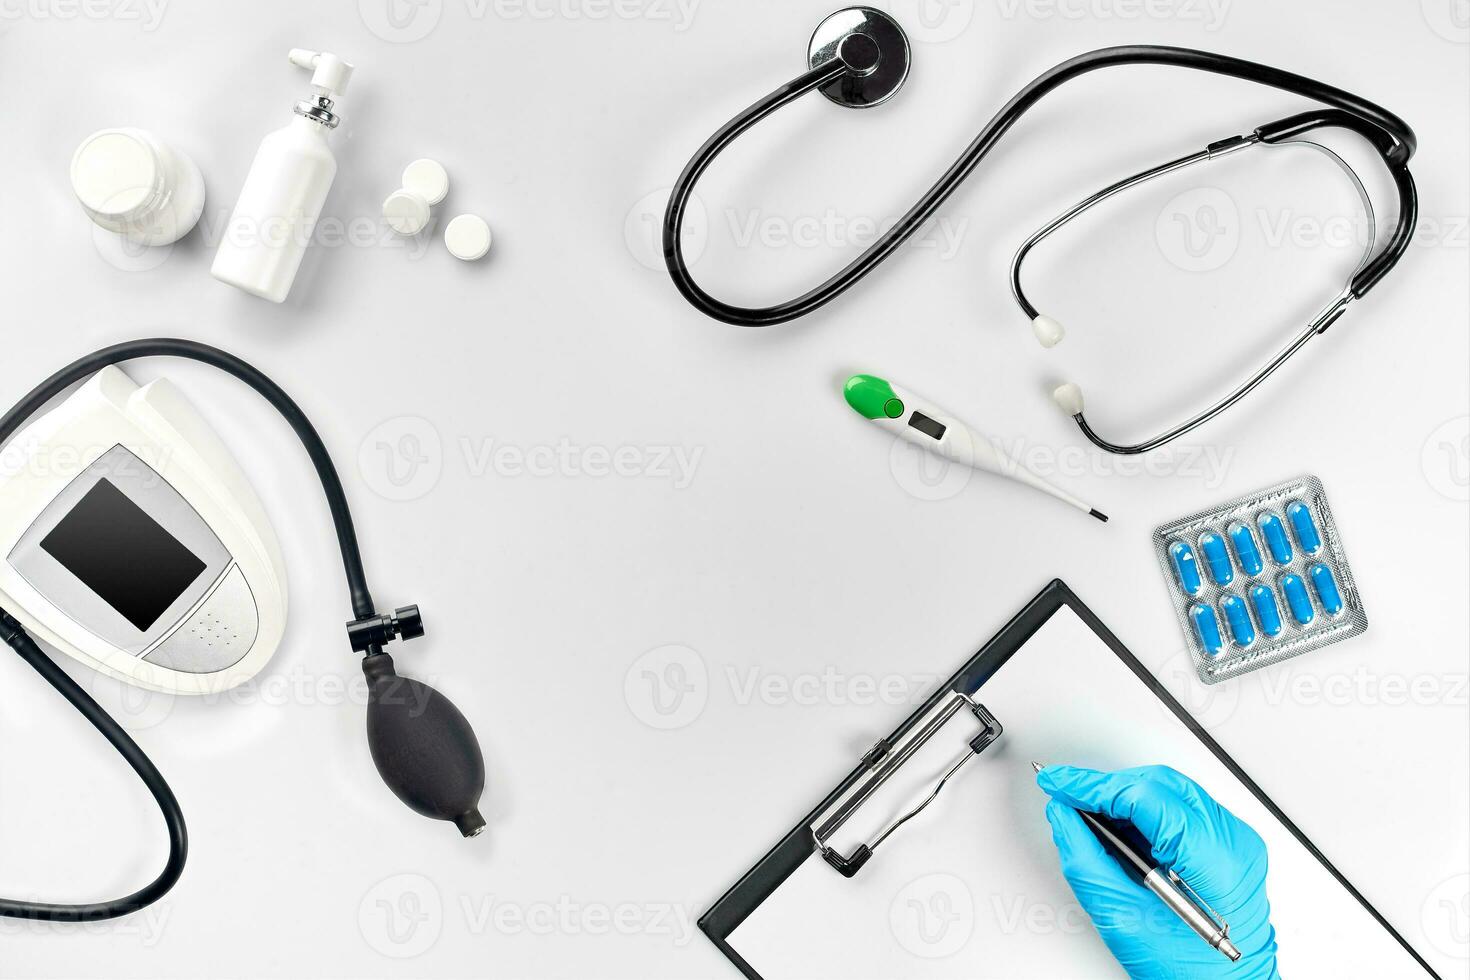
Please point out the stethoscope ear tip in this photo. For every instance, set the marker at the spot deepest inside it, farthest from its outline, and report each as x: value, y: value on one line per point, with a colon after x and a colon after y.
x: 1049, y: 332
x: 1069, y: 398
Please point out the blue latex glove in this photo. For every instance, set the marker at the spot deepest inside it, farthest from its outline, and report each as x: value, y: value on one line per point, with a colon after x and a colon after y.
x: 1217, y: 854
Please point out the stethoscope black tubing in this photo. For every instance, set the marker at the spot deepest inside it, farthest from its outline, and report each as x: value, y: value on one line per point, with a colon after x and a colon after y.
x: 1404, y: 145
x: 15, y: 635
x: 1394, y: 151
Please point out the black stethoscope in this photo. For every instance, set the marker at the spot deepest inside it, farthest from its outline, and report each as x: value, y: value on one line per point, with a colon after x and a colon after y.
x: 860, y: 57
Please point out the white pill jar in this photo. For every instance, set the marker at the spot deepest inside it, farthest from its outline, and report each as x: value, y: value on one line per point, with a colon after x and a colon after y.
x: 130, y: 182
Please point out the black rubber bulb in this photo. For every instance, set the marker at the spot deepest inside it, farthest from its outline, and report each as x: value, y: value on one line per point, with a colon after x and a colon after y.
x: 424, y: 749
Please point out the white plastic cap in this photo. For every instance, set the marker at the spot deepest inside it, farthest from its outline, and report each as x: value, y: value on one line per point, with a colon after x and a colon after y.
x: 428, y: 179
x: 1048, y: 331
x: 115, y: 173
x: 1069, y: 398
x: 406, y: 212
x: 330, y: 74
x: 467, y: 237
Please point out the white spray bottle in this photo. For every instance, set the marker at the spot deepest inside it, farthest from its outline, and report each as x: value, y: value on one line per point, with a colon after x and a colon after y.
x: 284, y: 192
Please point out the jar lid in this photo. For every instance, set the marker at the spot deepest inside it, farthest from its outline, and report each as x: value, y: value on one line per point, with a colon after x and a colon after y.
x: 115, y: 172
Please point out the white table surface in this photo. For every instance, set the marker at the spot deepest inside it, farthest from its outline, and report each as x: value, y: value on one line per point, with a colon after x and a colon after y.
x: 757, y: 537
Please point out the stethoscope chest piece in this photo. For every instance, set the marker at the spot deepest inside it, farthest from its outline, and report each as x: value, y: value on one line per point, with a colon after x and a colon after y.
x: 875, y: 50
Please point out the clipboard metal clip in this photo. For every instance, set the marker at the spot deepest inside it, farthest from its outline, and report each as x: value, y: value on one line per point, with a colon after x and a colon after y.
x: 883, y: 762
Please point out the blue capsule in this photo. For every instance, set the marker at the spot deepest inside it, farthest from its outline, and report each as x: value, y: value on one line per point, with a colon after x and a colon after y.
x: 1327, y: 590
x: 1185, y: 567
x: 1239, y: 620
x: 1207, y: 627
x: 1305, y: 527
x: 1297, y: 599
x: 1246, y: 551
x: 1274, y: 531
x: 1212, y: 547
x: 1268, y: 613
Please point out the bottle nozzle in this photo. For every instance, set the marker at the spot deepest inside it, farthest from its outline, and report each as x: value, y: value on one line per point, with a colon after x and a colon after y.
x: 330, y: 74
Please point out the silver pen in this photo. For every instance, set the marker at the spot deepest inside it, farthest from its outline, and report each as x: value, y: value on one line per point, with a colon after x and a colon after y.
x: 1135, y: 854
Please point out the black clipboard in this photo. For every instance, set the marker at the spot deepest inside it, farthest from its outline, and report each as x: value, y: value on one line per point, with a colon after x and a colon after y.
x: 798, y: 846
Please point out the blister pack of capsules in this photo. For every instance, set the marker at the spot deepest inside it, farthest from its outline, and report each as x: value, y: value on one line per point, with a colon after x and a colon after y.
x: 1260, y: 580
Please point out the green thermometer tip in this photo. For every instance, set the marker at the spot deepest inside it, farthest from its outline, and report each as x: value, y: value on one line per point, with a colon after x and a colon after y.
x: 872, y: 397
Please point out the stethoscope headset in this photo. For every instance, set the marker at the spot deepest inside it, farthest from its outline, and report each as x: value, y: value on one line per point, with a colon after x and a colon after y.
x: 859, y: 57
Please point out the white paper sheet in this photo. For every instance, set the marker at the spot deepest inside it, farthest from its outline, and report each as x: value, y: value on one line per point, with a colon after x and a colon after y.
x: 971, y: 888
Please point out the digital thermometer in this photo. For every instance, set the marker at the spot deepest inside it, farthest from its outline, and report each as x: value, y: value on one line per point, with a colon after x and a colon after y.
x: 926, y: 426
x: 131, y: 541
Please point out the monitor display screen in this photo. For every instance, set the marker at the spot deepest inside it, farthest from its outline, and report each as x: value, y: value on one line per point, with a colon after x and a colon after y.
x: 123, y: 555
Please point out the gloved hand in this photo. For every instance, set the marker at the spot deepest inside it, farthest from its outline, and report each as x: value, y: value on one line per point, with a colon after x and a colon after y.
x: 1217, y: 854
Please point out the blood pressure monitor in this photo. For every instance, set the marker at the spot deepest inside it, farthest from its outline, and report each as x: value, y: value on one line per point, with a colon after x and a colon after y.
x: 132, y: 541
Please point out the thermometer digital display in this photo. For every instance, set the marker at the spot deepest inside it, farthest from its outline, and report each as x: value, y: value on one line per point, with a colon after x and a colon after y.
x: 934, y: 430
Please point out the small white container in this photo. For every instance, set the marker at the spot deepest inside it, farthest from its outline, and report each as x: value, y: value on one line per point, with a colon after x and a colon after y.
x: 132, y: 183
x: 284, y: 192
